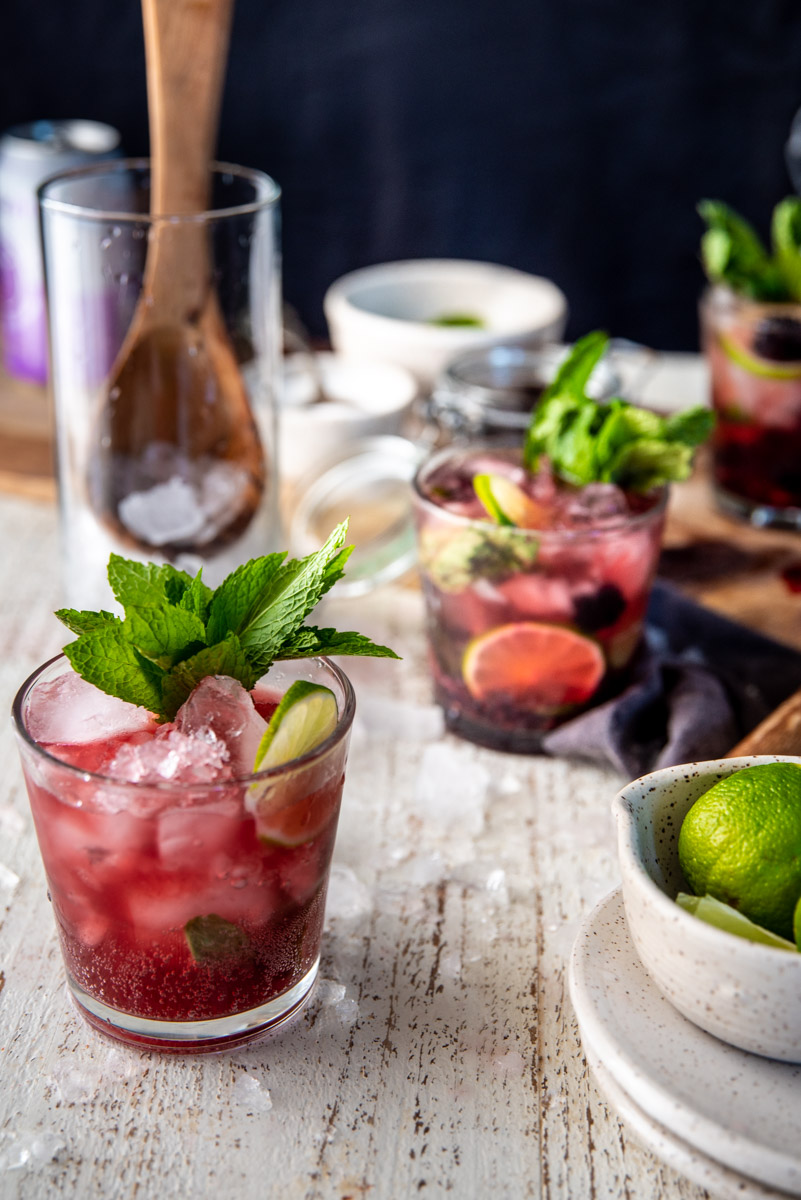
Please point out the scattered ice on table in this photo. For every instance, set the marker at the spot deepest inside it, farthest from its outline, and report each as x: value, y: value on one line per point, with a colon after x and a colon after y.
x: 71, y: 711
x: 171, y: 755
x: 79, y: 1080
x: 509, y: 785
x: 75, y: 1084
x: 348, y: 898
x: 485, y: 877
x: 30, y: 1148
x: 328, y: 991
x: 9, y: 881
x: 401, y: 719
x: 415, y: 871
x: 450, y: 965
x: 451, y: 788
x: 510, y: 1065
x: 220, y: 710
x: 346, y: 1011
x: 251, y: 1094
x: 11, y: 820
x: 596, y: 504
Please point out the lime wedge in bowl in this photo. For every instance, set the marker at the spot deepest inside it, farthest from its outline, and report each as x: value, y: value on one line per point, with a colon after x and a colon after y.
x: 723, y: 916
x: 287, y: 815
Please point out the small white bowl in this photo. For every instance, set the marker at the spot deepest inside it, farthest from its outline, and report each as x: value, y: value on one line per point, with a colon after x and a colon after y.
x: 363, y: 400
x: 384, y: 313
x: 744, y: 993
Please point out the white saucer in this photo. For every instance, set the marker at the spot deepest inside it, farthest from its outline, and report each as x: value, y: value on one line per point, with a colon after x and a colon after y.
x: 705, y: 1107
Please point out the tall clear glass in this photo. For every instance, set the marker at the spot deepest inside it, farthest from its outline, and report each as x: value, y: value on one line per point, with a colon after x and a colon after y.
x: 190, y: 914
x: 164, y: 340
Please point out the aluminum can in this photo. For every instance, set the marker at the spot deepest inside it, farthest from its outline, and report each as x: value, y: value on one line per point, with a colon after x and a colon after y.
x: 29, y: 154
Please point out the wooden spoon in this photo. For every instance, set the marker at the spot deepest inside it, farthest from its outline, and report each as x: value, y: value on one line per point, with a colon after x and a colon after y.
x: 779, y: 733
x: 177, y: 464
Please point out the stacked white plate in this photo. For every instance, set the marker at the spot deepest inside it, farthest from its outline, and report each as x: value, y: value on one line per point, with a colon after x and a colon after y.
x: 729, y: 1120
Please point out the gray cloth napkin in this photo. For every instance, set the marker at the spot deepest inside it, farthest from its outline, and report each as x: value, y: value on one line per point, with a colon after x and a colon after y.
x: 700, y: 684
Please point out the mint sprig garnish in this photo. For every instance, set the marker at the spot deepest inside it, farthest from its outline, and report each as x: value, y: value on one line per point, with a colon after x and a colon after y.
x: 733, y: 254
x: 588, y: 441
x: 175, y: 630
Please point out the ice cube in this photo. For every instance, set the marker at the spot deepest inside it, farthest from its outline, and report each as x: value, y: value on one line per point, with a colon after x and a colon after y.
x: 221, y: 711
x: 596, y: 504
x: 328, y: 991
x: 251, y: 1094
x: 70, y: 711
x: 9, y: 881
x: 451, y: 788
x: 31, y: 1148
x: 348, y: 898
x: 171, y: 755
x: 192, y: 505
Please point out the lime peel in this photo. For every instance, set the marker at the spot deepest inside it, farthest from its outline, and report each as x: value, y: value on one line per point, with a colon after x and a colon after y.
x: 723, y: 916
x: 756, y: 366
x: 306, y: 716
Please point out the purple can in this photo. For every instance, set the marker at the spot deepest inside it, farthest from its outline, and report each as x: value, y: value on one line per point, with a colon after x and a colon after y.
x: 29, y: 154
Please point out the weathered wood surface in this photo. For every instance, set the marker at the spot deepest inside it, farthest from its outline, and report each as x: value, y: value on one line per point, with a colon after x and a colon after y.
x: 451, y: 1062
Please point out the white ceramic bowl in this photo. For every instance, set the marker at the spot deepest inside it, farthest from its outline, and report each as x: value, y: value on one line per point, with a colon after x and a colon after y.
x: 384, y: 313
x: 744, y: 993
x: 363, y: 400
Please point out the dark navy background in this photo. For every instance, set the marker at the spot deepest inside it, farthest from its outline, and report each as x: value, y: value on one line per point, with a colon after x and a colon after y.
x: 566, y: 137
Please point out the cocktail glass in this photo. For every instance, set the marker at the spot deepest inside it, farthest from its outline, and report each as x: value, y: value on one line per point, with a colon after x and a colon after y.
x: 529, y: 626
x: 189, y: 913
x: 754, y: 355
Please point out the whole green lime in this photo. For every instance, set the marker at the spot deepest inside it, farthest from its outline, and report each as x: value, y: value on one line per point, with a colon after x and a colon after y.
x: 741, y: 843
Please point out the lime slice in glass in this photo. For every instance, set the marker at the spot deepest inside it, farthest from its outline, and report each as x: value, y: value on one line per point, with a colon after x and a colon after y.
x: 293, y: 809
x: 723, y: 916
x: 758, y: 366
x: 507, y: 503
x: 797, y: 924
x: 306, y: 716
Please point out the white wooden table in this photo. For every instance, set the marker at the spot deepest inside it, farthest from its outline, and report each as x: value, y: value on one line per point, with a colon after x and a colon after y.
x: 439, y: 1055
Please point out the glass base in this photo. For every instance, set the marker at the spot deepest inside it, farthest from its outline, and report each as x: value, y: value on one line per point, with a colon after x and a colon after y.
x: 194, y: 1037
x: 511, y: 741
x: 762, y: 516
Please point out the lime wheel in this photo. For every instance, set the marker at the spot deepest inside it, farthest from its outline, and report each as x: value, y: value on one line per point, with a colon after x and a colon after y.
x: 535, y: 666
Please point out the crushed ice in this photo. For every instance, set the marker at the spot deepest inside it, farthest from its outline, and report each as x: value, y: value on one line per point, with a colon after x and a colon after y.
x: 221, y: 711
x: 251, y: 1094
x: 71, y: 711
x: 192, y: 505
x: 451, y: 789
x: 348, y: 898
x: 173, y: 756
x: 31, y: 1148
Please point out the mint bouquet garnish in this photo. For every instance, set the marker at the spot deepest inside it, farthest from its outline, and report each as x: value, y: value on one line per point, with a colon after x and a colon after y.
x: 175, y: 630
x: 588, y: 441
x: 733, y: 254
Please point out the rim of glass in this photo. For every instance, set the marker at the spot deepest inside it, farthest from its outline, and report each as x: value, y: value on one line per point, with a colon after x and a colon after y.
x: 268, y: 191
x: 720, y: 296
x: 344, y: 722
x: 626, y: 522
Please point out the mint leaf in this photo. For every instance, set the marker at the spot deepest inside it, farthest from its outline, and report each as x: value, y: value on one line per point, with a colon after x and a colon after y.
x: 240, y: 595
x: 289, y: 596
x: 164, y: 635
x: 574, y: 373
x: 84, y: 622
x: 197, y: 598
x: 732, y: 254
x: 310, y: 641
x: 176, y: 630
x: 107, y: 659
x: 224, y: 658
x: 588, y: 441
x: 212, y: 939
x: 786, y: 238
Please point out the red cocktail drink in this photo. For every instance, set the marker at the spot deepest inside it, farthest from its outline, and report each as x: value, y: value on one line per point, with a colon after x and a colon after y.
x: 189, y: 893
x: 528, y: 626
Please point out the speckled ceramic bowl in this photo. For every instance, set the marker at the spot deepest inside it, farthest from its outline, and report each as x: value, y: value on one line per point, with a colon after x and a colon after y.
x: 744, y: 993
